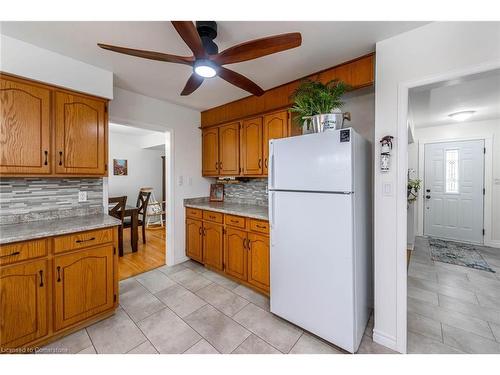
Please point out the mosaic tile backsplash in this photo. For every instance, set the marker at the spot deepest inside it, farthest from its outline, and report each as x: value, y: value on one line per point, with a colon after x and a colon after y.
x: 31, y: 199
x: 253, y: 191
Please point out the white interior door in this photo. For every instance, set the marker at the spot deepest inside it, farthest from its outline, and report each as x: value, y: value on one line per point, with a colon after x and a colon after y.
x: 453, y: 190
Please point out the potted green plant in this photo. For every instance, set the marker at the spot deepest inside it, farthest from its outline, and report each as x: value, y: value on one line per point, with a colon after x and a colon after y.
x: 414, y: 186
x: 320, y: 104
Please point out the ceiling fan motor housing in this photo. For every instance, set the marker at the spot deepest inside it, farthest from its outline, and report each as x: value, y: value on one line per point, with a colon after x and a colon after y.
x: 208, y: 32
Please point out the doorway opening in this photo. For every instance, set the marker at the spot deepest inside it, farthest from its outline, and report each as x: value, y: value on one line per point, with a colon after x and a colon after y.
x: 138, y: 180
x: 453, y: 212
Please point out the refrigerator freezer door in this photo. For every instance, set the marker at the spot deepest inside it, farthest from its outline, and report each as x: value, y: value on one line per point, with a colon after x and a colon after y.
x: 312, y: 264
x: 313, y: 162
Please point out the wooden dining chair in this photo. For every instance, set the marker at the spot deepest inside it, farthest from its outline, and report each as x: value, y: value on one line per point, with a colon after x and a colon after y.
x: 142, y: 205
x: 118, y: 211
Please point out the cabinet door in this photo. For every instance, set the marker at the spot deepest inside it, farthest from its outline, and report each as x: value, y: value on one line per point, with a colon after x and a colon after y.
x: 23, y: 303
x: 275, y: 126
x: 194, y: 239
x: 258, y: 261
x: 80, y: 135
x: 212, y: 245
x: 229, y: 149
x: 83, y: 285
x: 235, y: 253
x: 251, y: 145
x: 210, y: 152
x: 24, y: 128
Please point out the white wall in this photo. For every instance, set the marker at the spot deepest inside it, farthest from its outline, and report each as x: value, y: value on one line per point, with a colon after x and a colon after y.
x: 184, y: 162
x: 412, y: 58
x: 470, y: 130
x: 361, y: 105
x: 144, y: 167
x: 27, y: 60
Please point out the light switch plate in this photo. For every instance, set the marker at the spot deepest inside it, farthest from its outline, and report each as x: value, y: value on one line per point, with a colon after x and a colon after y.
x: 82, y: 196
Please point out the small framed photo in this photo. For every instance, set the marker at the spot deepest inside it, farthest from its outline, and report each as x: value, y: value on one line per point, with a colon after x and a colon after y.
x: 216, y: 192
x: 120, y: 167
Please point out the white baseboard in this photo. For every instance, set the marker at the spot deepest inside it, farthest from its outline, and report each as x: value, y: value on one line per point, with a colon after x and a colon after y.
x: 492, y: 243
x: 177, y: 261
x: 384, y: 339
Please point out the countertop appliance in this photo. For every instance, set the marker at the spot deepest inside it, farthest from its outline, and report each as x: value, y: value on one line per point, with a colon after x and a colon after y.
x: 321, y: 242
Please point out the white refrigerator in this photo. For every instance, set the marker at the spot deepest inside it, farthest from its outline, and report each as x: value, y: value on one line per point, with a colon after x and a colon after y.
x: 321, y: 240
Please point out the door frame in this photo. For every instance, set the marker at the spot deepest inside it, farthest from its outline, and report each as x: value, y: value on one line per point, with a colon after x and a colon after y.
x: 487, y: 183
x: 399, y: 342
x: 169, y: 179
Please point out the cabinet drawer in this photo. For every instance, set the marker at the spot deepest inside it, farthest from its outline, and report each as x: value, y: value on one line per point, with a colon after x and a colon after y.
x: 19, y: 251
x: 216, y: 217
x: 259, y: 226
x: 82, y: 239
x: 194, y: 213
x: 235, y: 221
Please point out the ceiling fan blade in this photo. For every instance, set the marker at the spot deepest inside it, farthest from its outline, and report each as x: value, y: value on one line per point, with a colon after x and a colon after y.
x: 188, y: 60
x: 187, y: 31
x: 258, y: 48
x: 192, y: 84
x: 241, y: 81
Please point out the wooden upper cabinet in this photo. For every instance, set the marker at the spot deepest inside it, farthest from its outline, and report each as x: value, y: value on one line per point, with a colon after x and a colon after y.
x: 80, y: 135
x: 210, y: 152
x: 194, y: 239
x: 24, y: 303
x: 24, y: 128
x: 275, y: 126
x: 258, y: 261
x: 251, y: 146
x: 229, y: 149
x: 83, y: 285
x: 212, y: 245
x: 235, y: 253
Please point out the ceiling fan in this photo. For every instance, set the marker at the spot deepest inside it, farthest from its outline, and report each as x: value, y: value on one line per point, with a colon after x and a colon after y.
x: 207, y: 61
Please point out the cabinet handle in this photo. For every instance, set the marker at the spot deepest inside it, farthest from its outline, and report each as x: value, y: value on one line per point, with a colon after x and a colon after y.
x: 11, y: 255
x: 234, y: 221
x: 216, y: 165
x: 46, y: 162
x: 60, y: 157
x: 244, y: 243
x: 248, y: 244
x: 220, y: 165
x: 261, y: 226
x: 41, y: 278
x: 199, y: 231
x: 90, y: 239
x: 265, y: 162
x: 260, y: 163
x: 58, y: 274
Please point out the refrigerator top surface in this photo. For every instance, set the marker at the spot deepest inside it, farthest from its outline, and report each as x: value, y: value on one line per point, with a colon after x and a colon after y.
x: 320, y: 162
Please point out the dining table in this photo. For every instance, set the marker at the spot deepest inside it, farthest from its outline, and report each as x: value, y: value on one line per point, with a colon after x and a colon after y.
x: 133, y: 213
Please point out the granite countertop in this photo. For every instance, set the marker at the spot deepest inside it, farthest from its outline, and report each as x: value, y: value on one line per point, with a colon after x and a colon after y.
x: 47, y: 228
x: 241, y: 209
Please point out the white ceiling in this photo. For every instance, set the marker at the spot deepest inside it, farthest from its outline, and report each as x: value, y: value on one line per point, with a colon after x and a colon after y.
x: 324, y: 44
x: 431, y: 105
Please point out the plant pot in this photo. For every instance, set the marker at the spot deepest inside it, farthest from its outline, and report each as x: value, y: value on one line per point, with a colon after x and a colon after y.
x: 329, y: 121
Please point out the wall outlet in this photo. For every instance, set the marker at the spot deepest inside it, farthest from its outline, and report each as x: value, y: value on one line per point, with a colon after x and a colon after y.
x: 82, y: 196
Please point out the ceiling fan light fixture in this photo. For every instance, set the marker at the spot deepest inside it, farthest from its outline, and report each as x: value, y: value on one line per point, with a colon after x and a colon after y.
x: 205, y: 68
x: 462, y: 115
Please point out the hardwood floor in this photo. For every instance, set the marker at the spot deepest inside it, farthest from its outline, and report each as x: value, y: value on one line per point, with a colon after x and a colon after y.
x: 148, y: 256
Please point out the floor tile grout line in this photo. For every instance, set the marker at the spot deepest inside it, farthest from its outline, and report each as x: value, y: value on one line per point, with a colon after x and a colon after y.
x: 139, y: 344
x: 139, y: 328
x: 90, y: 338
x: 295, y: 343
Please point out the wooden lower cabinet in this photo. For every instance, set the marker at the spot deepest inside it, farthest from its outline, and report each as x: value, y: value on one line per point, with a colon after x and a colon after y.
x: 45, y: 295
x: 235, y: 253
x: 258, y: 260
x: 194, y: 239
x: 212, y: 245
x: 240, y: 248
x: 23, y: 303
x: 83, y: 285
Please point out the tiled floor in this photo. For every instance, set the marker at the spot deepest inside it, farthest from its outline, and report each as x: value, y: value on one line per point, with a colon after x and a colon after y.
x: 188, y: 309
x: 452, y: 309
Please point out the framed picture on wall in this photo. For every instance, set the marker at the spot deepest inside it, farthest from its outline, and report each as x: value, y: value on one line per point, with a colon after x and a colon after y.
x: 120, y: 167
x: 216, y: 192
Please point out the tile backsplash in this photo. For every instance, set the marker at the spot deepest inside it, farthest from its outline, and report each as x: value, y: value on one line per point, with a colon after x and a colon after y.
x: 31, y: 199
x: 253, y: 191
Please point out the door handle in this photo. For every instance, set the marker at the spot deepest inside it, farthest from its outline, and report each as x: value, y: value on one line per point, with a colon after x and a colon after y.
x: 427, y: 197
x: 428, y: 190
x: 58, y: 274
x: 46, y: 162
x: 41, y: 278
x: 60, y: 157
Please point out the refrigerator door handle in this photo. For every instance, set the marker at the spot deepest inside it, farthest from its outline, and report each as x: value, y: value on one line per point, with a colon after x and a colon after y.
x: 271, y: 211
x: 271, y: 167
